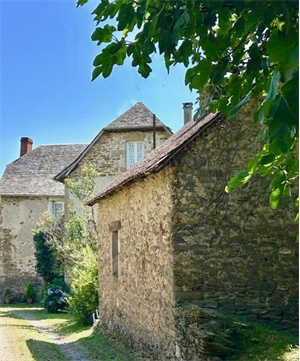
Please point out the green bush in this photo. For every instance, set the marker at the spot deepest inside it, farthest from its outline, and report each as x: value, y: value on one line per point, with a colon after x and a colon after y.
x: 29, y: 293
x: 84, y: 300
x: 47, y: 266
x: 55, y: 296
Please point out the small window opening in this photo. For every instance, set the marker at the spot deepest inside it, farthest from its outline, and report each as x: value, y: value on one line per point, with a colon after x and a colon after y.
x: 115, y: 253
x: 57, y: 209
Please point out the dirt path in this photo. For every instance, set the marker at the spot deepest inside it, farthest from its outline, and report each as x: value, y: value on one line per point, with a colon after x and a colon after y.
x: 69, y: 349
x: 5, y: 344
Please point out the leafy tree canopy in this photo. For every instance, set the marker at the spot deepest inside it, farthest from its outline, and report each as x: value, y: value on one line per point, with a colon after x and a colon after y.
x: 239, y: 50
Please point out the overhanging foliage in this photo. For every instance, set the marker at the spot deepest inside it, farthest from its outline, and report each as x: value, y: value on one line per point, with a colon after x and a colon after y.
x: 247, y: 49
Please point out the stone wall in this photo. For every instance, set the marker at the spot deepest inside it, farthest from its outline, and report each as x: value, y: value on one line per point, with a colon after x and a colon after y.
x: 108, y: 157
x: 137, y: 306
x: 19, y: 216
x: 108, y: 154
x: 232, y: 253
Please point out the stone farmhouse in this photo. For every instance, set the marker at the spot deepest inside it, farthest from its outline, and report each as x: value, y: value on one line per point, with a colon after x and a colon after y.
x: 27, y: 190
x: 170, y: 236
x: 118, y: 146
x: 33, y: 184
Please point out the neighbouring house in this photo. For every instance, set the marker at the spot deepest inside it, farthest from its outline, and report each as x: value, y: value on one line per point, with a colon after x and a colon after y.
x: 170, y: 237
x: 117, y: 147
x: 33, y: 184
x: 27, y: 190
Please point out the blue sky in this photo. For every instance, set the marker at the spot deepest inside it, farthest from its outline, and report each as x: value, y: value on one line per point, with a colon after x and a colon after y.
x: 46, y: 93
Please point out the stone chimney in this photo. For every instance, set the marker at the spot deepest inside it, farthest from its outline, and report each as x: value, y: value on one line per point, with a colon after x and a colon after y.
x: 26, y: 146
x: 187, y: 112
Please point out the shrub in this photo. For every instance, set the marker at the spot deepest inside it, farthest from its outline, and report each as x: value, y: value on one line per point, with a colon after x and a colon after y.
x: 47, y: 266
x: 7, y: 293
x: 29, y: 293
x: 84, y: 300
x: 55, y: 296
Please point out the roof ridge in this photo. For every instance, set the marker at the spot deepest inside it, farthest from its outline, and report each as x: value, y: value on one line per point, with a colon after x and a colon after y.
x: 138, y: 115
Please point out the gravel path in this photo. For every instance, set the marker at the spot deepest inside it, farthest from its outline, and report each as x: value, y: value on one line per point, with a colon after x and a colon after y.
x: 5, y: 349
x: 69, y: 349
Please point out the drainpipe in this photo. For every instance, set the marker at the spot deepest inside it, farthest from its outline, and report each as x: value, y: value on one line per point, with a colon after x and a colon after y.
x: 154, y: 131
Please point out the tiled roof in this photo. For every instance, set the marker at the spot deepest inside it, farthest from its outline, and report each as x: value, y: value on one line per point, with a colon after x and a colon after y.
x: 32, y: 174
x: 138, y: 117
x: 159, y: 157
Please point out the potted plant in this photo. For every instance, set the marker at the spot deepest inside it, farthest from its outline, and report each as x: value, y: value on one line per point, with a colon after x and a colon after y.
x: 8, y: 295
x: 29, y: 293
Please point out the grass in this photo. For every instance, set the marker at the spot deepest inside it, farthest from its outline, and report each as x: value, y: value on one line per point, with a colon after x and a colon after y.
x: 26, y: 342
x: 95, y: 345
x: 261, y: 343
x: 258, y: 343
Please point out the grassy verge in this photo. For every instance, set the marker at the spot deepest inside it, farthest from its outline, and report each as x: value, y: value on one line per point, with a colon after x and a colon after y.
x: 95, y: 345
x: 257, y: 343
x: 260, y: 343
x: 25, y: 342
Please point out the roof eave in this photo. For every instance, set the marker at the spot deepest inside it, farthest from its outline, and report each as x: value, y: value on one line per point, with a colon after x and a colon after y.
x: 71, y: 167
x: 155, y: 169
x: 30, y: 195
x: 139, y: 127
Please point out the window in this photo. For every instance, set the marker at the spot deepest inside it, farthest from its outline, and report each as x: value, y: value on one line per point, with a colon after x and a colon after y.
x: 134, y: 153
x: 56, y: 208
x: 115, y: 247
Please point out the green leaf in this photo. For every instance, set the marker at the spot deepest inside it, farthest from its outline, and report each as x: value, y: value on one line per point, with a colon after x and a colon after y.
x: 281, y: 48
x: 219, y: 105
x: 202, y: 74
x: 277, y: 182
x: 144, y: 69
x: 185, y: 51
x: 251, y: 167
x: 294, y: 59
x: 218, y: 72
x: 239, y: 26
x: 254, y: 16
x: 225, y: 23
x: 233, y: 111
x: 288, y: 107
x: 101, y: 11
x: 254, y: 51
x: 275, y: 197
x: 165, y: 38
x: 277, y: 129
x: 126, y: 16
x: 263, y: 111
x: 96, y: 72
x: 113, y: 54
x: 274, y: 148
x: 272, y: 92
x: 182, y: 21
x: 120, y: 55
x: 81, y: 2
x: 234, y: 87
x: 237, y: 181
x: 103, y: 35
x: 267, y: 160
